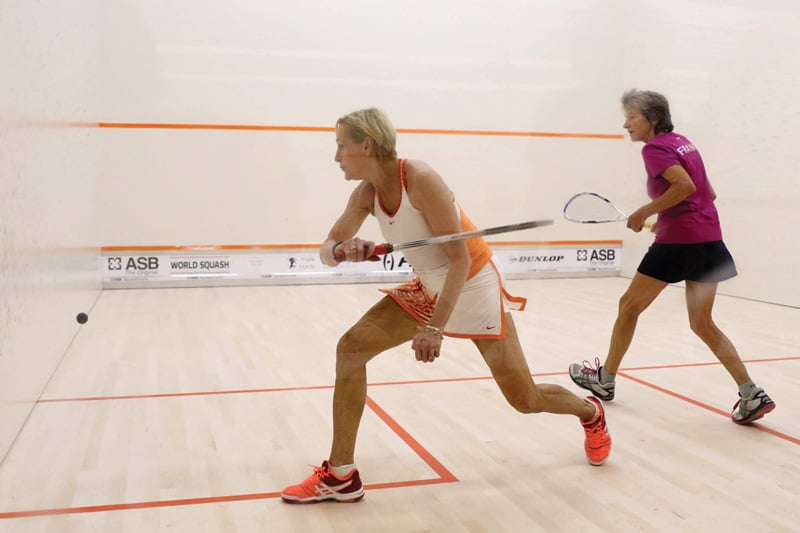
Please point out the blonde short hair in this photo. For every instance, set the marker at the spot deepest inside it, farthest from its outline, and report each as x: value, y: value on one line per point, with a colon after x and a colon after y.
x: 373, y: 123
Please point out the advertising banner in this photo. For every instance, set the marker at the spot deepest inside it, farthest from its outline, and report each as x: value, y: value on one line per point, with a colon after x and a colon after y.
x: 199, y: 266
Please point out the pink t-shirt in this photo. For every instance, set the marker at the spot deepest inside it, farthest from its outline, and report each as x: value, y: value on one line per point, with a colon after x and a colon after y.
x: 695, y: 219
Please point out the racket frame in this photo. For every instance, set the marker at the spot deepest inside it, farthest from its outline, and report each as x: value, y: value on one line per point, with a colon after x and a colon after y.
x: 621, y: 216
x: 386, y: 247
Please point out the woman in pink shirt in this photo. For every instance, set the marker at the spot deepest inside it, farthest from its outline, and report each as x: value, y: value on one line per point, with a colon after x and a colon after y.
x: 688, y: 247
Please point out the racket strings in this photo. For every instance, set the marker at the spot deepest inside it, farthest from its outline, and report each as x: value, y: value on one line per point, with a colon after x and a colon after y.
x: 591, y: 208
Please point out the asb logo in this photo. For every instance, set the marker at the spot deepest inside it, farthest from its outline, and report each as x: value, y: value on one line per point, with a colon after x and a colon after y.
x: 597, y: 255
x: 141, y: 263
x: 132, y: 263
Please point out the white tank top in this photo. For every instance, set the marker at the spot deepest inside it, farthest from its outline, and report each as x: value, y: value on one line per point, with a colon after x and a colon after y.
x: 406, y: 223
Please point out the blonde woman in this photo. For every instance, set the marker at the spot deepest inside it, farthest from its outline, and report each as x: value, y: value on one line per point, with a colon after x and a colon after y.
x: 458, y: 292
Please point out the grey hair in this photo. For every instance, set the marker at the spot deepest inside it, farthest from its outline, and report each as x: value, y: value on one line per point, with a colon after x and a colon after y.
x: 654, y: 106
x: 373, y: 123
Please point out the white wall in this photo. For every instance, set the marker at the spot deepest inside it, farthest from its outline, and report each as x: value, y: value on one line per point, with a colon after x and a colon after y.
x: 535, y: 66
x: 49, y: 237
x: 454, y: 65
x: 731, y: 72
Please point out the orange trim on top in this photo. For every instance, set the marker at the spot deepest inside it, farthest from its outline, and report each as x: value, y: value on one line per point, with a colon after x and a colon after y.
x: 479, y: 250
x: 230, y: 247
x: 419, y: 131
x: 401, y: 165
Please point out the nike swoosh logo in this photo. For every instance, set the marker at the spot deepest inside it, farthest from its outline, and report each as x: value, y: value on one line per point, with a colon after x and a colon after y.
x: 391, y: 222
x: 491, y: 327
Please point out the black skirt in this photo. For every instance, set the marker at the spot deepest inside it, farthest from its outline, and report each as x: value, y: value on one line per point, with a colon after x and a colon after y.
x: 707, y: 262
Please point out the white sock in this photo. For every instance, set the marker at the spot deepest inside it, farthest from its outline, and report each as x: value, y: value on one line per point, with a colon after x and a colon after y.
x: 342, y: 470
x: 747, y: 390
x: 604, y: 377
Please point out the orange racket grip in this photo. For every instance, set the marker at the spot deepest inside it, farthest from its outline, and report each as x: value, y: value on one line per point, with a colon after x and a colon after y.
x: 383, y: 248
x: 380, y: 249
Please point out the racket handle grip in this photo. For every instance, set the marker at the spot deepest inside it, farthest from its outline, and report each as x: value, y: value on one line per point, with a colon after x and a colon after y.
x: 380, y: 249
x: 337, y: 253
x: 383, y: 248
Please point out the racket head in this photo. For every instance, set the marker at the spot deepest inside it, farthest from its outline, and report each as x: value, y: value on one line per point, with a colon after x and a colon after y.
x: 591, y: 208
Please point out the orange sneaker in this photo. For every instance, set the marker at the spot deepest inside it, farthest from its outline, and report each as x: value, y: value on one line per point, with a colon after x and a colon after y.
x: 598, y: 440
x: 325, y: 485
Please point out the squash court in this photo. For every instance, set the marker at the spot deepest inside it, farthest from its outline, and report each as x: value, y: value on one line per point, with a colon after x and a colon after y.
x: 189, y: 409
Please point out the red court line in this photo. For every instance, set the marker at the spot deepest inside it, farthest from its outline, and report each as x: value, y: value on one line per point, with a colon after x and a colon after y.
x: 375, y: 384
x: 138, y: 505
x: 328, y: 129
x: 273, y: 389
x: 180, y: 394
x: 443, y: 476
x: 710, y: 363
x: 622, y: 372
x: 707, y: 407
x: 443, y: 473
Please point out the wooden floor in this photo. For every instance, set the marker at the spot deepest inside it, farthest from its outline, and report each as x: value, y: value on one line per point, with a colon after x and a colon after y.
x: 188, y: 410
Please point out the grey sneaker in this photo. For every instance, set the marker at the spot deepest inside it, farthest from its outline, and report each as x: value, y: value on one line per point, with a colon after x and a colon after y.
x: 588, y: 377
x: 750, y: 410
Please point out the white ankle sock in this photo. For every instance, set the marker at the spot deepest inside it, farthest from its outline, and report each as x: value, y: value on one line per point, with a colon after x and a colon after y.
x: 747, y: 389
x: 604, y: 377
x: 342, y: 470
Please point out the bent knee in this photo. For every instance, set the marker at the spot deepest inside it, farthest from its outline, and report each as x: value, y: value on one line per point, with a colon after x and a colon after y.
x: 630, y: 306
x: 526, y: 404
x: 347, y: 344
x: 702, y: 327
x: 350, y: 353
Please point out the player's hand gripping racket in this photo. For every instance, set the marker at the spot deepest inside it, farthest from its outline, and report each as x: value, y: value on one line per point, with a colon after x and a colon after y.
x: 591, y: 208
x: 386, y: 248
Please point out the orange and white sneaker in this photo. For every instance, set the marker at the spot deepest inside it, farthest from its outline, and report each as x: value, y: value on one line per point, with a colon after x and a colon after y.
x: 598, y: 440
x: 325, y: 485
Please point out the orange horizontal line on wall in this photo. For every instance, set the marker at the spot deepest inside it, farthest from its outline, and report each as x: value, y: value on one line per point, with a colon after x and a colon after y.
x: 233, y: 247
x: 147, y: 125
x: 420, y: 131
x: 203, y: 247
x: 555, y: 243
x: 513, y: 133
